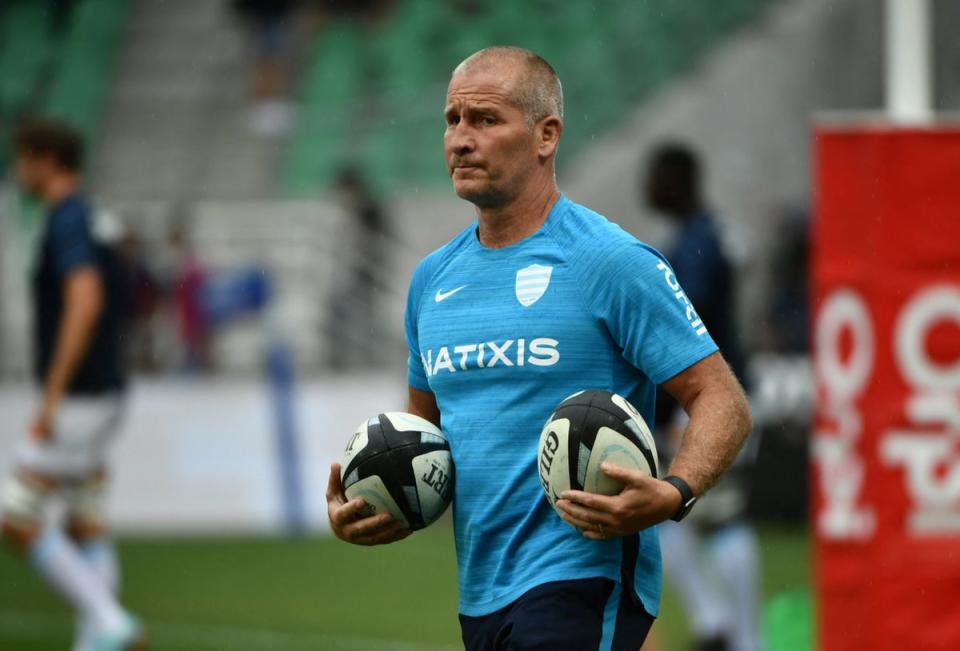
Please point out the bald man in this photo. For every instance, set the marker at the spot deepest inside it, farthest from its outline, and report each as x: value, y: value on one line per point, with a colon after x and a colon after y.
x: 535, y: 300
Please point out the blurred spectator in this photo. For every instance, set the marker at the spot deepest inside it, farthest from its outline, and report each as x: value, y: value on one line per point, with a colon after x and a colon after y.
x: 363, y: 9
x: 698, y: 254
x: 61, y: 13
x: 711, y: 558
x: 271, y: 25
x: 353, y: 308
x: 788, y: 318
x: 145, y: 296
x: 187, y: 296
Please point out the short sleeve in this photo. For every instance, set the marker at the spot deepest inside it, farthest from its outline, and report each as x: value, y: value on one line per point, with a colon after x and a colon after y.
x: 71, y: 244
x: 637, y: 296
x: 416, y: 375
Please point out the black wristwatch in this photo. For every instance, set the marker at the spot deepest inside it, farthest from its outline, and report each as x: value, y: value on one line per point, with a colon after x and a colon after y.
x: 687, y: 498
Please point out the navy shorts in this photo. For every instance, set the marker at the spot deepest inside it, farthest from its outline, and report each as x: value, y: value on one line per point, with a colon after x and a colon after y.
x: 580, y: 615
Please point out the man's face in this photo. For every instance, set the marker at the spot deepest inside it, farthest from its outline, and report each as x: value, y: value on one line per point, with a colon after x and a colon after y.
x: 31, y: 171
x: 661, y: 190
x: 489, y: 149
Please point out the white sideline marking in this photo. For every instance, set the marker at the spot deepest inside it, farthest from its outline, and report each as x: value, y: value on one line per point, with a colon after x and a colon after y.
x: 36, y: 625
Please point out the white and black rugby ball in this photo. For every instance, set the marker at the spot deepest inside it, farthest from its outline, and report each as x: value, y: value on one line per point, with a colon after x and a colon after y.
x: 401, y: 464
x: 585, y: 430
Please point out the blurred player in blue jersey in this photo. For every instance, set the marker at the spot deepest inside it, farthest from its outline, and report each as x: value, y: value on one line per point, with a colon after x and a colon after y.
x: 78, y: 314
x: 712, y: 558
x: 537, y: 299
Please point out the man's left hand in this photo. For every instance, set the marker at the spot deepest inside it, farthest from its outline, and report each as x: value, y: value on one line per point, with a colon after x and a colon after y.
x: 41, y: 429
x: 643, y: 502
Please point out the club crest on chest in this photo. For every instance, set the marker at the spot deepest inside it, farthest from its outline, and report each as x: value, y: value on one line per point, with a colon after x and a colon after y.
x: 532, y: 283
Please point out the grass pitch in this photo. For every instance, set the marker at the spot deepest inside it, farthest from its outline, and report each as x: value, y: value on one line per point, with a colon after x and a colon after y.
x: 314, y: 594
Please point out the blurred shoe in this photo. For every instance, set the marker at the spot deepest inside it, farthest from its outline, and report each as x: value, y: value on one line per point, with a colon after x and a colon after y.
x: 271, y: 118
x: 718, y: 643
x: 131, y: 637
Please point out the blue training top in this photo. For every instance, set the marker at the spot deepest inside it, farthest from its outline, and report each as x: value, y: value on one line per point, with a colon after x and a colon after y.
x: 501, y: 336
x: 67, y: 246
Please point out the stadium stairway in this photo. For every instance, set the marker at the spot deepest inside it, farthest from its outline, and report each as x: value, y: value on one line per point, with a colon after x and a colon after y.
x: 174, y: 127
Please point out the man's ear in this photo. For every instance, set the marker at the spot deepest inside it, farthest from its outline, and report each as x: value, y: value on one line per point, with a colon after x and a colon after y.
x: 548, y: 135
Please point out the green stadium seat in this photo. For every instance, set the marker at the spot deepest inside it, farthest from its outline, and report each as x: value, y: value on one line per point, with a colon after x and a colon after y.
x: 379, y: 99
x: 23, y: 51
x: 63, y: 75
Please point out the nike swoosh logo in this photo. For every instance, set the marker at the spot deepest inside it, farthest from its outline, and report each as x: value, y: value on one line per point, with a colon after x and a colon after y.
x: 442, y: 296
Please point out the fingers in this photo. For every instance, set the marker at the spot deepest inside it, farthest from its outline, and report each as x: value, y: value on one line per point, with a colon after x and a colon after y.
x: 334, y: 486
x: 374, y: 530
x: 596, y: 535
x: 585, y: 518
x: 342, y: 514
x: 624, y: 475
x: 350, y: 522
x: 364, y: 526
x: 575, y: 522
x: 592, y: 501
x: 39, y: 433
x: 592, y: 524
x: 391, y: 532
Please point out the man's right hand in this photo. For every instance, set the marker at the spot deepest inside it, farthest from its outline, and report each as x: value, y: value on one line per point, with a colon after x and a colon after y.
x: 348, y: 522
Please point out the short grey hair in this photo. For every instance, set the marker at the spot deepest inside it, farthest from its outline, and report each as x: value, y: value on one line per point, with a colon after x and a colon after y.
x: 537, y: 92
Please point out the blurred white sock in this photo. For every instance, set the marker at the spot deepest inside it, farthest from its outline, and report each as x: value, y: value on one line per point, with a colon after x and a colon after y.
x: 703, y: 602
x: 64, y: 568
x: 736, y: 557
x: 101, y: 556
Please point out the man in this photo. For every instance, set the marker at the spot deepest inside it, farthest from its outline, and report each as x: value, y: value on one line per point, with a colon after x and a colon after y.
x: 712, y: 559
x: 77, y: 340
x: 354, y: 306
x: 538, y: 299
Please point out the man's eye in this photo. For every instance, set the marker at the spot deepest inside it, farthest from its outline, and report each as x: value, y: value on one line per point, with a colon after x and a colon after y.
x: 488, y: 120
x: 453, y: 119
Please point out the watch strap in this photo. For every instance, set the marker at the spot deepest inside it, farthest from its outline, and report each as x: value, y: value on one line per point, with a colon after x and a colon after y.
x: 687, y: 498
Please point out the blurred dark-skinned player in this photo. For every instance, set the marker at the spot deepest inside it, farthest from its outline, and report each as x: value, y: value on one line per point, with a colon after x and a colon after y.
x: 712, y: 557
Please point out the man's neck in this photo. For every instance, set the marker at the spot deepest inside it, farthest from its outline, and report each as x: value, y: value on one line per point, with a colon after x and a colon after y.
x: 58, y: 189
x: 505, y: 225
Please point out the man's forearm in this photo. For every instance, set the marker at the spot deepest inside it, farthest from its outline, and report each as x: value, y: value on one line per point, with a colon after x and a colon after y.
x: 719, y: 424
x: 82, y: 309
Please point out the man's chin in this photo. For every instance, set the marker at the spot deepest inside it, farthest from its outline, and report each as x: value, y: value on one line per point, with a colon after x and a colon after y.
x: 480, y: 196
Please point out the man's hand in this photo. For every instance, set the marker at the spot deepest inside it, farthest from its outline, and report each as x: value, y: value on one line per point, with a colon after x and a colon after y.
x: 643, y: 502
x: 41, y: 429
x: 349, y: 522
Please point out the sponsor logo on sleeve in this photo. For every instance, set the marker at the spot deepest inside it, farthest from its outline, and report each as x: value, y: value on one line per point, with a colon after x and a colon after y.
x: 671, y: 279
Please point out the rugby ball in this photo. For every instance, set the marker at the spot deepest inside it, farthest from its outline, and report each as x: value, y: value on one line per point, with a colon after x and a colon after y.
x: 585, y: 430
x: 401, y: 464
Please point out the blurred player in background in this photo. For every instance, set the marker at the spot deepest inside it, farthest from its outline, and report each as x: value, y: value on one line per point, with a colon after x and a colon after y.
x: 353, y: 306
x: 77, y: 321
x: 539, y: 298
x: 712, y: 558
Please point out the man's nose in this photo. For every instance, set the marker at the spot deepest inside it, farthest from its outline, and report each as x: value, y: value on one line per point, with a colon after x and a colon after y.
x: 460, y: 139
